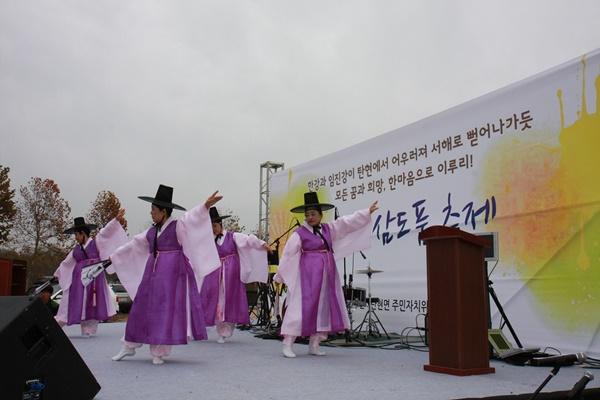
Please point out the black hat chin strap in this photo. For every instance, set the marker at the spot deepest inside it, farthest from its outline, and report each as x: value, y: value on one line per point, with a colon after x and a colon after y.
x: 157, y: 228
x: 84, y: 252
x: 317, y: 231
x: 155, y: 250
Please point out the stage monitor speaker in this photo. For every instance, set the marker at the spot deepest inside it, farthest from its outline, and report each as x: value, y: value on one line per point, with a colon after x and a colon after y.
x: 39, y: 360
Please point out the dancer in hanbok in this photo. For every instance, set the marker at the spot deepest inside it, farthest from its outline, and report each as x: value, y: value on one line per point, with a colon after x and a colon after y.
x: 315, y: 301
x: 243, y: 260
x: 86, y: 305
x: 162, y: 269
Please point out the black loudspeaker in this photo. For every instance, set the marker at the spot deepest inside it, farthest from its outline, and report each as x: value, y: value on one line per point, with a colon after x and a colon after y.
x: 39, y: 361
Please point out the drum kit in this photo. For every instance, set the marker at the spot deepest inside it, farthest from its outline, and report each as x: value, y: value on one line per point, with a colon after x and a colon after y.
x: 371, y: 325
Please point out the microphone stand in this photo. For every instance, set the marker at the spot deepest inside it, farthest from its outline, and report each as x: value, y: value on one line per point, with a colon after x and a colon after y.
x: 552, y: 374
x: 492, y: 293
x: 267, y: 295
x: 336, y: 215
x: 285, y: 233
x: 348, y: 292
x: 347, y: 289
x: 348, y: 334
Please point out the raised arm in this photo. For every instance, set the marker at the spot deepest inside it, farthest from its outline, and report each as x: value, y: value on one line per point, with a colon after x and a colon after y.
x: 194, y: 232
x: 112, y: 236
x: 353, y: 232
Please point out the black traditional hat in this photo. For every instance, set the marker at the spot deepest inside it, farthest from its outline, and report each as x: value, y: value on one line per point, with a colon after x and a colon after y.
x: 79, y: 225
x: 214, y: 215
x: 163, y: 198
x: 311, y: 200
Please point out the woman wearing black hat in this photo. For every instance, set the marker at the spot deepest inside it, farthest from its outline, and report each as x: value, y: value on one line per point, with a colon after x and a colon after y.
x: 162, y: 269
x: 88, y: 305
x: 243, y: 260
x: 315, y: 302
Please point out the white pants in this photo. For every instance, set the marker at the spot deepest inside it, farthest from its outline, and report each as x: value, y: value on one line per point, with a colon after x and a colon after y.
x: 225, y: 329
x: 315, y: 339
x: 89, y: 327
x: 157, y: 350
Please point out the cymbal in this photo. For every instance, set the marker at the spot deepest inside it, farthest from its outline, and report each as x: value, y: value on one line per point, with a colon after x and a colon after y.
x: 368, y: 271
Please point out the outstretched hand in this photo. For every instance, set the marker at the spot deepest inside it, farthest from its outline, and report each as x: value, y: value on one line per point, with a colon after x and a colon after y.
x: 267, y: 248
x: 374, y: 207
x: 213, y: 199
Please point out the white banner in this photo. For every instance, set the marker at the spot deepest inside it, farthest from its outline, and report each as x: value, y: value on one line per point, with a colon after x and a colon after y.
x: 522, y: 161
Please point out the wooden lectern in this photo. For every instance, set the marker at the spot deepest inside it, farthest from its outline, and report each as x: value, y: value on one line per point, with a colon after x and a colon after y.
x: 457, y: 302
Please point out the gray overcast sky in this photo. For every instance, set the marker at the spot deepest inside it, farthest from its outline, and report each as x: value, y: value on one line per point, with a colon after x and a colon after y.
x: 123, y: 95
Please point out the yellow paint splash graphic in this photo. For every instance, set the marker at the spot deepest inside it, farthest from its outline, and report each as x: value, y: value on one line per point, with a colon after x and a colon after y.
x: 549, y: 220
x: 281, y: 219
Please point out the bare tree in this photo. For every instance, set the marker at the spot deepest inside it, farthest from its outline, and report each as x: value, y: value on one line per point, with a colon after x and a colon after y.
x: 42, y: 216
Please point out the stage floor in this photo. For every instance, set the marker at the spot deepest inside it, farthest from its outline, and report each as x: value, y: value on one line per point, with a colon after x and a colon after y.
x: 251, y: 368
